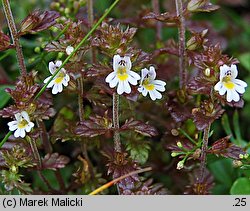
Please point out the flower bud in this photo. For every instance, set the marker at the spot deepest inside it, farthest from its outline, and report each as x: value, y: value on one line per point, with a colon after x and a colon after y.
x: 180, y: 165
x: 60, y: 55
x: 69, y: 50
x: 179, y: 144
x: 192, y: 44
x: 237, y: 163
x: 14, y: 169
x: 37, y: 49
x: 174, y: 154
x: 193, y: 5
x: 174, y: 132
x: 241, y: 156
x: 207, y: 72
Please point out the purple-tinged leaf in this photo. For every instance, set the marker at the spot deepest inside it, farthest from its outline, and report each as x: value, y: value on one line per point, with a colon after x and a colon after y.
x: 38, y: 21
x: 54, y: 161
x: 95, y: 126
x: 139, y: 127
x: 224, y: 148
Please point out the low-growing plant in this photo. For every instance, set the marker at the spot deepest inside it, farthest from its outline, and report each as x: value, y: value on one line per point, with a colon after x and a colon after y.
x: 147, y: 98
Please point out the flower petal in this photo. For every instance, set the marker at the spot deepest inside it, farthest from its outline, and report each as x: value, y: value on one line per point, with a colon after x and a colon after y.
x: 58, y: 63
x: 152, y: 95
x: 152, y: 72
x: 55, y: 89
x: 160, y: 88
x: 140, y: 89
x: 18, y: 116
x: 52, y: 67
x: 132, y: 80
x: 47, y: 79
x: 222, y: 90
x: 159, y: 82
x: 128, y: 62
x: 229, y: 96
x: 22, y: 133
x: 25, y: 116
x: 29, y: 127
x: 218, y: 86
x: 17, y: 133
x: 144, y: 73
x: 127, y: 87
x: 60, y: 87
x: 116, y: 60
x: 157, y: 94
x: 240, y: 82
x: 235, y: 96
x: 110, y: 77
x: 223, y: 69
x: 12, y: 125
x: 135, y: 75
x: 113, y: 83
x: 120, y: 88
x: 144, y: 92
x: 234, y: 71
x: 239, y: 89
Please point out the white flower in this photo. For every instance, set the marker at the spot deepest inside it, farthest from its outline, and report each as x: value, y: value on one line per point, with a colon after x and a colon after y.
x: 60, y: 79
x: 149, y: 85
x: 69, y: 50
x: 122, y: 75
x: 21, y: 125
x: 228, y: 83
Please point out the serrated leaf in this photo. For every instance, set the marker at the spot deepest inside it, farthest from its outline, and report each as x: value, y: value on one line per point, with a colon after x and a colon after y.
x: 54, y: 161
x: 95, y: 126
x: 140, y: 127
x: 224, y: 148
x: 139, y: 150
x: 241, y: 186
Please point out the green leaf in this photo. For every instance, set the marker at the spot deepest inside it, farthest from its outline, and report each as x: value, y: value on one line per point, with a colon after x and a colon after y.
x: 222, y: 171
x: 245, y: 60
x: 227, y: 128
x: 4, y: 96
x: 139, y: 150
x: 240, y: 186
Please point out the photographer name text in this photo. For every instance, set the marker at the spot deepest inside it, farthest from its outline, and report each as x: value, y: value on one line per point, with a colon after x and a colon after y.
x: 41, y: 202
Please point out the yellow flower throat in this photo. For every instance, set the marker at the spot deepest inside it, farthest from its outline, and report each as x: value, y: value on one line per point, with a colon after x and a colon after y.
x: 146, y: 83
x: 59, y: 78
x: 22, y: 124
x: 122, y: 73
x: 227, y: 82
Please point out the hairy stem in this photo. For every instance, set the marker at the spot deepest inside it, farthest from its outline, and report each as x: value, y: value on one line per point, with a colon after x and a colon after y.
x: 14, y: 36
x: 80, y: 98
x: 48, y: 149
x: 182, y: 51
x: 156, y: 9
x: 117, y: 141
x: 204, y: 153
x: 35, y: 151
x: 81, y: 117
x: 91, y: 22
x: 44, y: 136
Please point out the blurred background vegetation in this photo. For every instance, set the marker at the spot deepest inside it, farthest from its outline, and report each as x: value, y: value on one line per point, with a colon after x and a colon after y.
x: 228, y: 26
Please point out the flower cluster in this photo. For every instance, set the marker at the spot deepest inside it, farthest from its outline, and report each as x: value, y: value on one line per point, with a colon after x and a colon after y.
x: 124, y: 76
x: 229, y: 84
